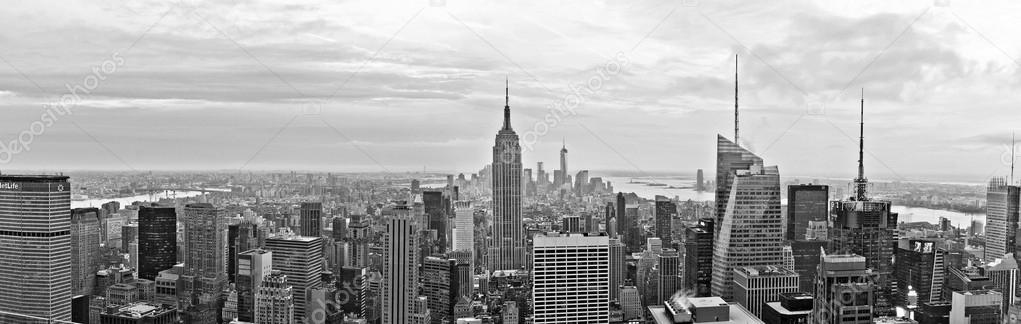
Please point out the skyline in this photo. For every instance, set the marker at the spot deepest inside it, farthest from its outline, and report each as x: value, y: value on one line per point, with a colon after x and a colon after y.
x: 236, y: 94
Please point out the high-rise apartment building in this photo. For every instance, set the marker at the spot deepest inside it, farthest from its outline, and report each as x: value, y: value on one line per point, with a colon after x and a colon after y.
x: 751, y: 233
x: 571, y: 278
x: 507, y: 251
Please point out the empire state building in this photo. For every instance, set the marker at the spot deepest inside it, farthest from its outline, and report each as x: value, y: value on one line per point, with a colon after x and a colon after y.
x: 507, y: 251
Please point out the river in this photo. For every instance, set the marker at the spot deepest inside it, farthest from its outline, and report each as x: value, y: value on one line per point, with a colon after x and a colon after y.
x: 684, y: 190
x: 128, y: 200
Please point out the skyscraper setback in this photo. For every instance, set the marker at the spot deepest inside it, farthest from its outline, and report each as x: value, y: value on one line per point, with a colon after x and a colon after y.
x: 507, y: 251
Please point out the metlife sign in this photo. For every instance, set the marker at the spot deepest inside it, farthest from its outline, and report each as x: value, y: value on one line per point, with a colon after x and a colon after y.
x: 10, y: 186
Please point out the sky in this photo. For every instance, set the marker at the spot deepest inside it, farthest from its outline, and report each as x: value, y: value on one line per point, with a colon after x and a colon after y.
x: 395, y: 86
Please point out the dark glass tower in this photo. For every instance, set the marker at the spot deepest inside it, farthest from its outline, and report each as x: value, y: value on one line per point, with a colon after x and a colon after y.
x: 433, y: 203
x: 698, y: 257
x: 666, y: 210
x: 157, y: 240
x: 507, y: 251
x: 311, y: 219
x: 805, y: 203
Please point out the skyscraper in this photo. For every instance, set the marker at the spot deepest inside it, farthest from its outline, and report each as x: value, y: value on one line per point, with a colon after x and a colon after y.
x: 274, y: 302
x: 843, y: 291
x: 730, y: 157
x: 301, y: 259
x: 751, y: 233
x: 920, y: 268
x: 1002, y: 216
x: 865, y: 226
x: 157, y: 240
x: 85, y: 236
x: 698, y: 257
x: 361, y: 233
x: 437, y: 216
x: 311, y: 219
x: 1003, y: 272
x: 400, y: 271
x: 563, y: 166
x: 756, y: 286
x: 253, y: 267
x: 242, y: 235
x: 618, y: 267
x: 669, y: 282
x: 507, y: 251
x: 436, y: 286
x: 666, y: 210
x: 571, y: 278
x: 700, y: 181
x: 205, y: 275
x: 805, y: 203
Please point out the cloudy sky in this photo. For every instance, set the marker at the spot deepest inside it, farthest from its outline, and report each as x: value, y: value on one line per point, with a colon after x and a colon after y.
x: 406, y: 85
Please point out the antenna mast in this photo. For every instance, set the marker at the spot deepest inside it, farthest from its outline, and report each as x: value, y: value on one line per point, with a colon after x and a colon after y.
x: 736, y: 128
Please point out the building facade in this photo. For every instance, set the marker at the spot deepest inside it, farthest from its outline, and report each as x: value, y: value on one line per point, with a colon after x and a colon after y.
x: 571, y: 278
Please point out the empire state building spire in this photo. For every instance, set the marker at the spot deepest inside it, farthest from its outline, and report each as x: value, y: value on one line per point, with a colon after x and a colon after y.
x: 506, y: 107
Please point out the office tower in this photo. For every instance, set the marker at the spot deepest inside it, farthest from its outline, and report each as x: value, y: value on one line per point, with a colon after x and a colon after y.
x: 806, y: 262
x: 361, y: 233
x: 563, y: 166
x: 157, y: 240
x: 571, y: 278
x: 1001, y: 217
x: 627, y: 225
x: 588, y: 225
x: 666, y: 211
x: 301, y: 259
x: 242, y: 235
x: 618, y: 267
x: 139, y: 313
x: 35, y: 231
x: 920, y: 266
x: 976, y: 306
x: 436, y: 286
x: 698, y: 257
x: 647, y: 277
x: 85, y: 237
x: 844, y: 291
x: 791, y: 308
x: 730, y: 157
x: 274, y: 301
x: 669, y: 280
x: 508, y: 251
x: 400, y: 271
x: 311, y: 219
x: 253, y: 267
x: 437, y: 216
x: 865, y: 226
x: 751, y: 233
x: 1003, y: 272
x: 699, y: 181
x: 204, y: 272
x: 756, y: 286
x: 805, y: 203
x: 570, y: 224
x: 129, y: 234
